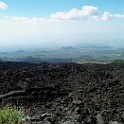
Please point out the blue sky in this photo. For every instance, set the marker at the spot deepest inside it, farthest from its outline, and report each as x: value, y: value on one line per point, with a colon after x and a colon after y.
x: 61, y: 22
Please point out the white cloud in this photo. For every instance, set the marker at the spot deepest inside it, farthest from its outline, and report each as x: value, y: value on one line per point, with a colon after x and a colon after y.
x: 87, y: 12
x: 107, y: 16
x: 3, y: 5
x: 22, y: 20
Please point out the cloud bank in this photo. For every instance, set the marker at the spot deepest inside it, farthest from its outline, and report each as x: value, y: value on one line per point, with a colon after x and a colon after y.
x: 3, y: 5
x: 86, y: 13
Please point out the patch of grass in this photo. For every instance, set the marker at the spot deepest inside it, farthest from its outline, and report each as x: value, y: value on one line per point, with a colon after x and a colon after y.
x: 10, y: 115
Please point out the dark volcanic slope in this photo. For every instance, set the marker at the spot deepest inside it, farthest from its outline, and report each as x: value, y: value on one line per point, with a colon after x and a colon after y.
x: 68, y: 89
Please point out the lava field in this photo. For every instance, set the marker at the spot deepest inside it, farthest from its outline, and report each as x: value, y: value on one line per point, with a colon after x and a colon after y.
x: 82, y: 92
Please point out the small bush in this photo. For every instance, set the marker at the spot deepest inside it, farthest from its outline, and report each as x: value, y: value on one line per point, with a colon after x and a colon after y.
x: 10, y: 115
x: 118, y: 61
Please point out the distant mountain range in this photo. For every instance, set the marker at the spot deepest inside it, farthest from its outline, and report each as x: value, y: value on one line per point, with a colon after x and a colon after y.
x: 65, y: 54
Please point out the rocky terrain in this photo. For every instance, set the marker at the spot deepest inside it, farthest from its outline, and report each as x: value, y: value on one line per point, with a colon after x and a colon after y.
x: 65, y: 93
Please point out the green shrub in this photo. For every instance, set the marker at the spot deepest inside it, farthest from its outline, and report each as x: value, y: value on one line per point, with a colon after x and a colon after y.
x: 118, y: 61
x: 10, y: 115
